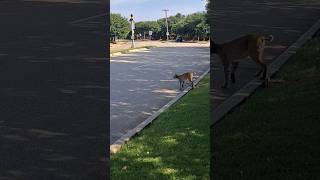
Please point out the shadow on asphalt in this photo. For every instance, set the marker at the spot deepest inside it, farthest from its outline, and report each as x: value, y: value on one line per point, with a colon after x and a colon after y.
x: 54, y: 90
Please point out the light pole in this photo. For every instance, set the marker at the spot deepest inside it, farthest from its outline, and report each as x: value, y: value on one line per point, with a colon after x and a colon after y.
x: 166, y: 10
x: 132, y: 30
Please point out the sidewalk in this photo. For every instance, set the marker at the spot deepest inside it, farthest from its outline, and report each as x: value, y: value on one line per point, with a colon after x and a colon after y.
x: 126, y: 44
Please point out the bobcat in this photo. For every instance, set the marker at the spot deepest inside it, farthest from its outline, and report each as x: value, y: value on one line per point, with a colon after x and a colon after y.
x: 249, y: 45
x: 184, y: 77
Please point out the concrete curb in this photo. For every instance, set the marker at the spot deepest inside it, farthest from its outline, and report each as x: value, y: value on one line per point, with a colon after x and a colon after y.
x: 116, y: 146
x: 128, y: 51
x: 237, y: 98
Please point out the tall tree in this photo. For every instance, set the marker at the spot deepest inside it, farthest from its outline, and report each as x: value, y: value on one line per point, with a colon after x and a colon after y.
x: 144, y: 27
x: 119, y: 27
x: 209, y: 15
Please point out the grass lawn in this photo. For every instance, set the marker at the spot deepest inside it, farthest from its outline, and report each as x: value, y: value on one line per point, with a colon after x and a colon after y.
x: 276, y: 133
x: 175, y: 146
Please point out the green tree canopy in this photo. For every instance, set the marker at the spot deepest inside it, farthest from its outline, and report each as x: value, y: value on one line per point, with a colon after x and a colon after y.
x: 119, y: 26
x: 192, y: 26
x: 146, y: 26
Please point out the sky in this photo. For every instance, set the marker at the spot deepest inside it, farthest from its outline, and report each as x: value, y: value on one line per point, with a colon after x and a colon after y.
x: 148, y: 10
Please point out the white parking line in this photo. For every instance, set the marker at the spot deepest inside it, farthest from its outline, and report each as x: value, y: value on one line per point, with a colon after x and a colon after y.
x: 87, y: 18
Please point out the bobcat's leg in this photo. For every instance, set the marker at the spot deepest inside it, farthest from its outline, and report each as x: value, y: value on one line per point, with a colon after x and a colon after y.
x: 264, y: 76
x: 226, y: 75
x: 234, y: 68
x: 259, y: 72
x: 258, y: 59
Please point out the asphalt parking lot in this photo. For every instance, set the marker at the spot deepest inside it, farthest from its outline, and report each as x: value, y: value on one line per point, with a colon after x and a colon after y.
x: 54, y: 90
x: 142, y: 82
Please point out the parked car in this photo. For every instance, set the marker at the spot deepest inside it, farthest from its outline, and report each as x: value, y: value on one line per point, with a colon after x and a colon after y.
x: 179, y: 39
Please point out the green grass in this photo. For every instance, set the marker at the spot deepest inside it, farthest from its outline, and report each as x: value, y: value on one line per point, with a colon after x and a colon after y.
x: 276, y: 133
x: 174, y: 146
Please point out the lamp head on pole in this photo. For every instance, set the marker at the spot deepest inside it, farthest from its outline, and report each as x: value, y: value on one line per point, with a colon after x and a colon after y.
x: 131, y: 17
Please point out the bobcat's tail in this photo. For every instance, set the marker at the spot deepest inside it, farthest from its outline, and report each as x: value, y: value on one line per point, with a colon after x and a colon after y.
x: 269, y: 38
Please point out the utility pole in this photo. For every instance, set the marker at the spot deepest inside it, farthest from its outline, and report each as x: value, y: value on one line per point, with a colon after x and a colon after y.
x: 132, y: 30
x: 166, y: 10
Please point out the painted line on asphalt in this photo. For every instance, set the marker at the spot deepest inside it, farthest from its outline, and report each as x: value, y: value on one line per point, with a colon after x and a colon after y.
x: 87, y: 18
x: 246, y: 91
x: 116, y: 146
